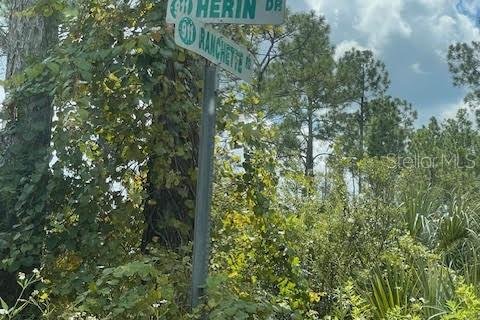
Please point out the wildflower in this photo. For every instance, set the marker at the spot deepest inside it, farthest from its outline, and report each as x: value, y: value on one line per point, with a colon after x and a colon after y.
x: 159, y: 304
x: 36, y: 272
x: 3, y: 311
x: 35, y: 293
x: 21, y: 276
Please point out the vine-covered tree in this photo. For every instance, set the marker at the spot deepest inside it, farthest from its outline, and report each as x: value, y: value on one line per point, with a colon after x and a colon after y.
x: 26, y: 138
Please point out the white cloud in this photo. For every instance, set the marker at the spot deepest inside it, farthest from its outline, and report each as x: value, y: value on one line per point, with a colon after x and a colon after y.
x: 434, y: 4
x: 467, y: 29
x: 449, y: 111
x: 444, y: 26
x: 318, y: 5
x: 417, y: 68
x: 446, y: 29
x: 380, y: 20
x: 380, y: 23
x: 345, y: 46
x: 469, y: 8
x: 412, y: 37
x: 376, y: 20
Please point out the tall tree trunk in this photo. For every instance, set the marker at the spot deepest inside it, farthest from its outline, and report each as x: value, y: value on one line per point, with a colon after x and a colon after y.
x: 309, y: 163
x: 362, y: 128
x: 168, y: 218
x: 25, y: 146
x: 362, y: 141
x: 27, y: 37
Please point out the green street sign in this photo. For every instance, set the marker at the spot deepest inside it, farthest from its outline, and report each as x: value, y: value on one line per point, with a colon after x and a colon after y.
x: 215, y: 47
x: 228, y: 11
x: 187, y: 31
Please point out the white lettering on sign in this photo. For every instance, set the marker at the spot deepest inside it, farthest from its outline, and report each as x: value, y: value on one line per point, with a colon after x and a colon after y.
x: 212, y: 45
x: 228, y: 11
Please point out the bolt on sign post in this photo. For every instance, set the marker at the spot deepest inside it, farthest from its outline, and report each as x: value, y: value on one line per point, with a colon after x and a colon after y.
x: 228, y: 11
x: 192, y: 33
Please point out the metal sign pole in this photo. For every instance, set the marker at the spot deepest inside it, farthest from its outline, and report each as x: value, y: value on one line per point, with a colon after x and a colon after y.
x: 201, y: 241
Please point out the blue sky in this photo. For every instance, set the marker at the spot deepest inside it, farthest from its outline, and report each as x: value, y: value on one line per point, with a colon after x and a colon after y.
x: 411, y: 37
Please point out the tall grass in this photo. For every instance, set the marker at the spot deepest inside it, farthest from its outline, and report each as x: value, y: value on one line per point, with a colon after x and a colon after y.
x: 430, y: 286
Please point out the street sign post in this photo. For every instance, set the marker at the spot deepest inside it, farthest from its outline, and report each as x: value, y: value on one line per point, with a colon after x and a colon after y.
x: 201, y: 240
x: 191, y: 33
x: 228, y: 11
x: 215, y: 47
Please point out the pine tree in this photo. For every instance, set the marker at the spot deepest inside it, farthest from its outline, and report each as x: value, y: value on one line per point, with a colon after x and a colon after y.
x: 300, y: 87
x: 361, y: 78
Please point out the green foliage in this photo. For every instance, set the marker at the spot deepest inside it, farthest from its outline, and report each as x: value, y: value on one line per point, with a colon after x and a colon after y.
x: 136, y: 290
x: 117, y: 130
x: 389, y: 123
x: 463, y: 62
x: 110, y: 217
x: 224, y: 304
x: 300, y: 88
x: 465, y: 306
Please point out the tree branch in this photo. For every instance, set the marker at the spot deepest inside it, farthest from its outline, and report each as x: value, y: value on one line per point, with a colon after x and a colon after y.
x: 3, y: 41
